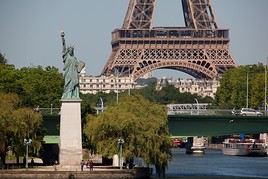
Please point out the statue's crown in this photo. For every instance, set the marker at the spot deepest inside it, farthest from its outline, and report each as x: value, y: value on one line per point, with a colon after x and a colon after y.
x: 70, y: 48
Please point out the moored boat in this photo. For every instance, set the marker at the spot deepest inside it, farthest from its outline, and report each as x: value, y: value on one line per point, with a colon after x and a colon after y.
x: 195, y: 145
x: 246, y: 147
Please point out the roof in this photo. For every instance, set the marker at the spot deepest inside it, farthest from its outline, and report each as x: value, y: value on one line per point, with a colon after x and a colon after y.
x: 51, y: 139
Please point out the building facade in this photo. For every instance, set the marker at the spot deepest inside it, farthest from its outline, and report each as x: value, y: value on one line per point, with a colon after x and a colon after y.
x: 202, y: 87
x: 105, y: 84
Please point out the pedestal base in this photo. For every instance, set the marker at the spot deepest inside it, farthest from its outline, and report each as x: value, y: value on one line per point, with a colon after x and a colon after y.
x: 70, y: 134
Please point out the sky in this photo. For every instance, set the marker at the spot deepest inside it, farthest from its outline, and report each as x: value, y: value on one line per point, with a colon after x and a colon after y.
x: 30, y: 29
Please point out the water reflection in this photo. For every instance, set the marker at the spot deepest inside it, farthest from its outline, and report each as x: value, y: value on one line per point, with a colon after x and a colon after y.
x: 214, y: 163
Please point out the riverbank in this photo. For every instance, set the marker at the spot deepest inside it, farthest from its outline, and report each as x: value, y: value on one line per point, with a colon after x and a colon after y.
x: 207, y: 177
x: 102, y: 173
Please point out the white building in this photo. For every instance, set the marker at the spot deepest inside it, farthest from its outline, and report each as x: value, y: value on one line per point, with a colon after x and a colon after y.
x: 106, y: 84
x: 201, y: 87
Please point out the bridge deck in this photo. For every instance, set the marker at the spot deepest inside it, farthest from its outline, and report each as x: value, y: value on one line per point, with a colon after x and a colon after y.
x: 202, y: 125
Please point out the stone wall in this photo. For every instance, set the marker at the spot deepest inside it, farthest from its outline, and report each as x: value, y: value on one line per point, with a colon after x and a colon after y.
x: 116, y: 174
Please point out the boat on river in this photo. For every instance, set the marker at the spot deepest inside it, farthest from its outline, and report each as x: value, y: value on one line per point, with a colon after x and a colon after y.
x: 245, y: 147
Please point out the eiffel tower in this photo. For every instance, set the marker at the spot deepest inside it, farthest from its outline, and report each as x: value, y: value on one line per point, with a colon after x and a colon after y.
x: 199, y: 49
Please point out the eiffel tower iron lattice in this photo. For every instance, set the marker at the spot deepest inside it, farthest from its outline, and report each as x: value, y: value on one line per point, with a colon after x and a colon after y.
x: 199, y: 49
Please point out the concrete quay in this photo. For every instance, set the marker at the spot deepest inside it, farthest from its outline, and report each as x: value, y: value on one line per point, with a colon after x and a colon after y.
x: 51, y: 173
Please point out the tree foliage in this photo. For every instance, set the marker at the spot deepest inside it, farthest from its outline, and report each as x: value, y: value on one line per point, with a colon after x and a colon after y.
x: 17, y: 124
x: 232, y: 92
x: 141, y: 123
x: 3, y: 59
x: 37, y: 86
x: 170, y: 94
x: 167, y: 95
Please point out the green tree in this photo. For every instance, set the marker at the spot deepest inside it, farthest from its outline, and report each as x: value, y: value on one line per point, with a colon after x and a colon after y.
x: 141, y: 123
x: 9, y: 76
x: 3, y: 60
x: 41, y: 86
x: 8, y: 102
x: 17, y: 124
x: 37, y: 86
x: 169, y: 94
x: 27, y: 125
x: 232, y: 92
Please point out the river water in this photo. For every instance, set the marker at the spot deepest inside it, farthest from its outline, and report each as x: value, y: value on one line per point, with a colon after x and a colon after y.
x: 214, y: 163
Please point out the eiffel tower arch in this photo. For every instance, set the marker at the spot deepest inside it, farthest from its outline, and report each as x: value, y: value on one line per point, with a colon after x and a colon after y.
x: 199, y: 49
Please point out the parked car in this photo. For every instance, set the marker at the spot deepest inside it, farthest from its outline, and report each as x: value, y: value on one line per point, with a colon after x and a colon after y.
x: 236, y: 112
x: 250, y: 112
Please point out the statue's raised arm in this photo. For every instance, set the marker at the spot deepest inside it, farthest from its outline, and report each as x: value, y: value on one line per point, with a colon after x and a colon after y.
x: 62, y: 34
x: 72, y: 68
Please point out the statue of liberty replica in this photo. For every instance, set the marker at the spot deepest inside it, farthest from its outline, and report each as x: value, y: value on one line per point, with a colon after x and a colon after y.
x: 70, y: 153
x: 72, y: 68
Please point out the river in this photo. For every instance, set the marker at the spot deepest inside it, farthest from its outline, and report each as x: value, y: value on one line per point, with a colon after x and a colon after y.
x: 214, y: 163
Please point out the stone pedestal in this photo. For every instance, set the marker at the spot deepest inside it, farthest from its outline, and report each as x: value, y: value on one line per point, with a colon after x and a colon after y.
x: 115, y: 161
x: 70, y: 134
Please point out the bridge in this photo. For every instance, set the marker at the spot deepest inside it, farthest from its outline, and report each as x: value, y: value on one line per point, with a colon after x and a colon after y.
x: 187, y: 125
x: 198, y: 108
x: 216, y: 125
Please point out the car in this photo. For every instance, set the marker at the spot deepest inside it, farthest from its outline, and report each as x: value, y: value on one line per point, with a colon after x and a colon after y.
x: 250, y: 112
x: 235, y: 112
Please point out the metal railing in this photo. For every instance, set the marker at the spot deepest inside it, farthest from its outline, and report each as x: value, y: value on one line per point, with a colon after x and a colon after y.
x: 170, y: 33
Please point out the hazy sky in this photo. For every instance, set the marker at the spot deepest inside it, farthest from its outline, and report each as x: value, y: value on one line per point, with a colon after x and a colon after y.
x: 30, y: 29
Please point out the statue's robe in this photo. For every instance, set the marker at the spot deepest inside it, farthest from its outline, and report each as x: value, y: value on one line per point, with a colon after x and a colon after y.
x: 72, y: 67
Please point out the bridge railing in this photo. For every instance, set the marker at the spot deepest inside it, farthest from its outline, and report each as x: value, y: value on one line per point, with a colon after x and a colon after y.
x: 48, y: 111
x: 201, y: 112
x: 195, y: 109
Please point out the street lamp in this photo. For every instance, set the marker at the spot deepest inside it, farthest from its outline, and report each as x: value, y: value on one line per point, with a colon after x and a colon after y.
x: 27, y: 142
x: 116, y: 71
x: 248, y: 70
x: 120, y: 143
x: 197, y: 107
x: 51, y: 108
x: 265, y: 89
x: 247, y: 89
x: 129, y: 85
x: 100, y: 106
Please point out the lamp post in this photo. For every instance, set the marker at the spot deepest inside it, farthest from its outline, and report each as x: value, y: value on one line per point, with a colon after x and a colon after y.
x: 100, y: 105
x: 27, y: 142
x: 51, y: 108
x: 247, y: 90
x: 116, y: 86
x: 265, y: 89
x: 120, y: 143
x: 129, y: 80
x: 197, y: 106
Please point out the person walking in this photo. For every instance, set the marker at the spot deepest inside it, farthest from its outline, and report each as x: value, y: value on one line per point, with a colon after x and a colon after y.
x: 91, y: 165
x: 82, y: 165
x: 55, y: 165
x: 32, y: 163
